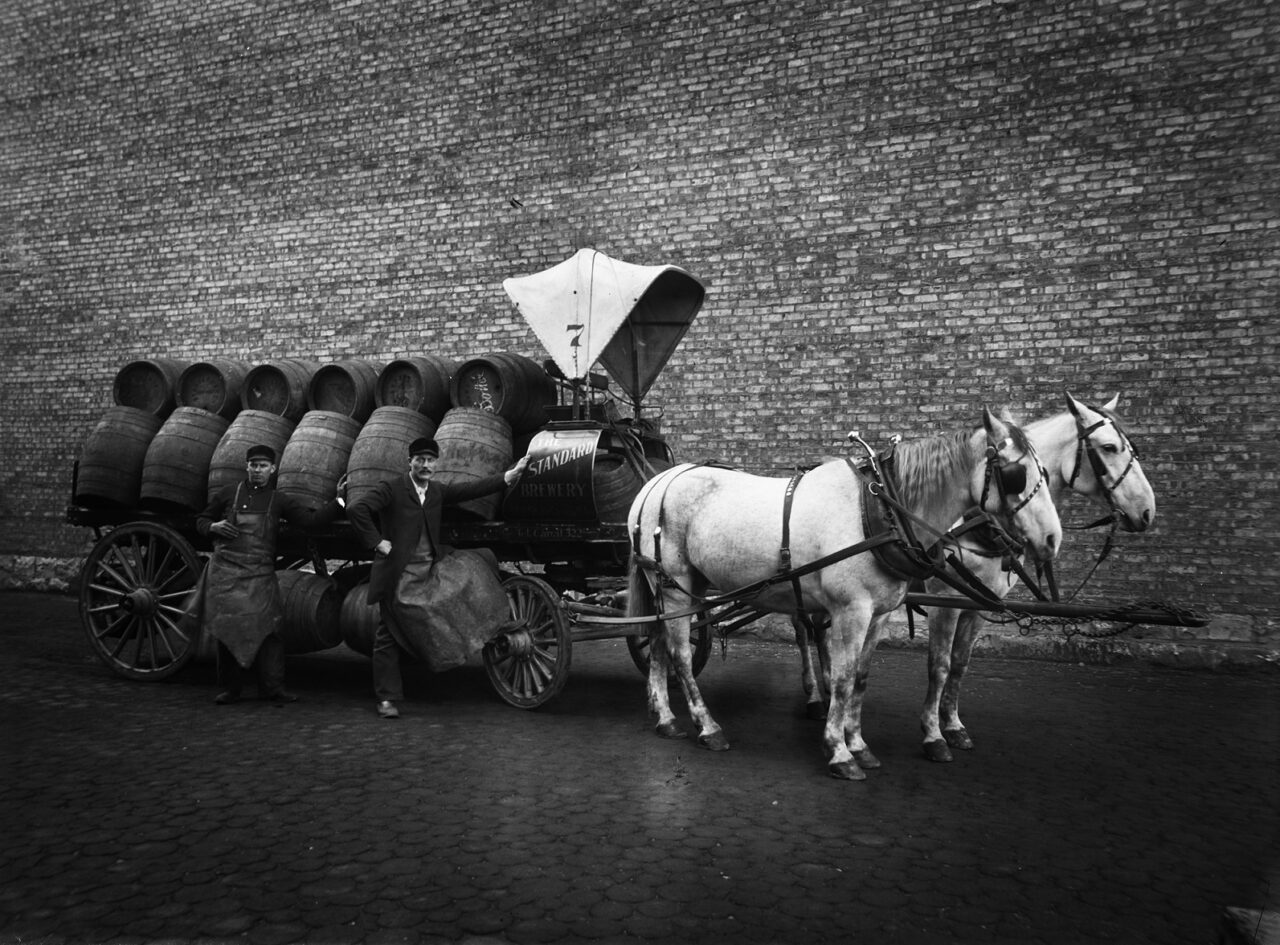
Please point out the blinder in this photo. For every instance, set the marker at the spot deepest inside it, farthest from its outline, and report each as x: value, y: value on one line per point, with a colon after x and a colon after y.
x: 1013, y: 478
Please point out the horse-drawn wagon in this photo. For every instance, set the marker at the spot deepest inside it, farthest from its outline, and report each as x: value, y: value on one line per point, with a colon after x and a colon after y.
x: 607, y: 537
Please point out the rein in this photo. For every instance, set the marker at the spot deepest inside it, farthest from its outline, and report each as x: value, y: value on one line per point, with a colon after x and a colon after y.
x: 929, y: 561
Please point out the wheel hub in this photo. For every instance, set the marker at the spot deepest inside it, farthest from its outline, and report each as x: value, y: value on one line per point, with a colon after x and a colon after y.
x: 141, y: 602
x: 513, y: 643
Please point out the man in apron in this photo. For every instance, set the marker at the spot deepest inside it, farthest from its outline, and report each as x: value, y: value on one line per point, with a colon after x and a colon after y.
x: 400, y: 520
x: 237, y: 598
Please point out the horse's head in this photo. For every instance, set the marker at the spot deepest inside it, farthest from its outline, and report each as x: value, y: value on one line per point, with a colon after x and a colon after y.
x: 1012, y: 486
x: 1106, y: 466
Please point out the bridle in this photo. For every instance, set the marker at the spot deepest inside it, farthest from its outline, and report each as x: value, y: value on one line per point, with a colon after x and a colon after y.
x: 1086, y: 448
x: 1010, y: 478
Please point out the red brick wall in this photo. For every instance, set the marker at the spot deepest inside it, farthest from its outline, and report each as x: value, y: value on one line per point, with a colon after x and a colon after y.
x: 902, y: 211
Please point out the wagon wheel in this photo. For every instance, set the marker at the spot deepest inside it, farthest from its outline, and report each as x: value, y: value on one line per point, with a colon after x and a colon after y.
x: 699, y: 638
x: 132, y: 590
x: 528, y: 662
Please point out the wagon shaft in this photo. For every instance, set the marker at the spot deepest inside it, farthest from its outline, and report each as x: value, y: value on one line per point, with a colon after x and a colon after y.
x: 1145, y: 612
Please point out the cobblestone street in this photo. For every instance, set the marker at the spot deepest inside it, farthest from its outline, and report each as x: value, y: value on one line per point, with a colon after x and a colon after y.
x: 1102, y: 804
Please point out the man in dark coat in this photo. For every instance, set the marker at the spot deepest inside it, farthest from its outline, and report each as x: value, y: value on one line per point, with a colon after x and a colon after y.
x: 400, y: 520
x: 238, y: 598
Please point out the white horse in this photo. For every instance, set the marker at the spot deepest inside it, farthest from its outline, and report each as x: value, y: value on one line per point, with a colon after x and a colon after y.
x: 700, y: 527
x: 1083, y: 450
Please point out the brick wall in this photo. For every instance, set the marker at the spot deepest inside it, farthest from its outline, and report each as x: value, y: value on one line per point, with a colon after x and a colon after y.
x: 902, y: 211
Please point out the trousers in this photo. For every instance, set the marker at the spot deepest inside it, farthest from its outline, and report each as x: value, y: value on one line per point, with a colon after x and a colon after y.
x: 268, y: 666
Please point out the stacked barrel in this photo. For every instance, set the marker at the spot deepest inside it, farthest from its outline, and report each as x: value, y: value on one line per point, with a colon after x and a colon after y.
x: 178, y: 432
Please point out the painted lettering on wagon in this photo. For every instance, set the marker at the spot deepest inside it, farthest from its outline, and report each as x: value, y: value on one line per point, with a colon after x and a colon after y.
x: 553, y: 490
x: 561, y: 458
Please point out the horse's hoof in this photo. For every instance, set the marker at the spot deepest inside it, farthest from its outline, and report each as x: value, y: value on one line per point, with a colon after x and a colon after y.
x: 714, y: 742
x: 816, y: 711
x: 846, y: 771
x: 958, y: 738
x: 937, y: 750
x: 865, y: 759
x: 670, y: 730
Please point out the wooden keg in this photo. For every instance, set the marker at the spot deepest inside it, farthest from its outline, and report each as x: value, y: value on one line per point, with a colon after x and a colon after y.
x: 249, y: 428
x: 345, y: 387
x: 510, y: 385
x: 419, y: 383
x: 213, y: 386
x: 474, y: 444
x: 175, y: 474
x: 148, y: 385
x: 279, y: 387
x: 109, y: 473
x: 358, y: 619
x: 312, y: 612
x: 615, y: 483
x: 316, y: 456
x: 381, y: 450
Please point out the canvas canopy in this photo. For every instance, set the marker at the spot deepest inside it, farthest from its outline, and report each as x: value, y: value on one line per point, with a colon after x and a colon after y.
x: 593, y: 308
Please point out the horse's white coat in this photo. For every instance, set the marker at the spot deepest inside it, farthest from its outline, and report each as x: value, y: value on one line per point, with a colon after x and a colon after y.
x: 723, y: 529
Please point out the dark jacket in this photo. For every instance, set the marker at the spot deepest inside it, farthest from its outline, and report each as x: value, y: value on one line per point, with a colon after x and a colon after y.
x: 285, y: 506
x: 391, y: 511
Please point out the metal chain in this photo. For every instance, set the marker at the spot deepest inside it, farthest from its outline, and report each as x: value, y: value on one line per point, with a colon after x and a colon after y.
x: 1076, y: 626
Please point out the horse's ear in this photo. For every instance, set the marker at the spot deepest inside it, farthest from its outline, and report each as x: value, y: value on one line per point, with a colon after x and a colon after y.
x: 1073, y: 405
x: 1111, y: 405
x: 997, y: 429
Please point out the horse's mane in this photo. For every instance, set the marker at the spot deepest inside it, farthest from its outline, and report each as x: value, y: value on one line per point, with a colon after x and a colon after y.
x: 921, y: 463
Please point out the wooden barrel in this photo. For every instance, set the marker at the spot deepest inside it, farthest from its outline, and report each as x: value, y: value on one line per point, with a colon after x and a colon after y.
x: 149, y: 385
x: 344, y: 387
x: 249, y: 428
x: 175, y: 474
x: 316, y: 456
x: 110, y: 470
x: 510, y: 385
x: 312, y: 612
x: 474, y: 444
x: 359, y: 619
x: 213, y: 386
x: 419, y: 383
x: 279, y: 387
x: 381, y: 450
x: 615, y: 482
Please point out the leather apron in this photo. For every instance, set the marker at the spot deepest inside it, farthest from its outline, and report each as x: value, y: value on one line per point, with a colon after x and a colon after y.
x: 241, y: 596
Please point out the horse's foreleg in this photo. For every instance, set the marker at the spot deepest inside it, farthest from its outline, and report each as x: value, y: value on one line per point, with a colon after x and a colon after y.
x: 853, y: 724
x: 942, y: 632
x: 953, y: 729
x: 845, y: 640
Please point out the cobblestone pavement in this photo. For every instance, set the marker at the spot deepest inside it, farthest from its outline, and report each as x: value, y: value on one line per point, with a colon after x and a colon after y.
x: 1102, y: 804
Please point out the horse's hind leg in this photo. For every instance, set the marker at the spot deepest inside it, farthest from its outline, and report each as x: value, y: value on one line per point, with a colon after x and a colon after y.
x: 659, y: 696
x: 942, y: 632
x: 953, y: 729
x: 681, y: 652
x: 816, y: 689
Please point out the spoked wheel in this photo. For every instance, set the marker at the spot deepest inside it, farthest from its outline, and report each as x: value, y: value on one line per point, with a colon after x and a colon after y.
x: 528, y: 662
x: 699, y: 639
x: 132, y: 589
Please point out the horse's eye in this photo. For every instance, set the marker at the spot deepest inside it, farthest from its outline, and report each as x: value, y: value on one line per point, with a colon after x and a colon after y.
x: 1110, y: 448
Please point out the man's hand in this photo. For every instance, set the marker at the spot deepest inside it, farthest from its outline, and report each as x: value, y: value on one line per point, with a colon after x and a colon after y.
x: 512, y: 475
x: 383, y: 548
x: 224, y: 529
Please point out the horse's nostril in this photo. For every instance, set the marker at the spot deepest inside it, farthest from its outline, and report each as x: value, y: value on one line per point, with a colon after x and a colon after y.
x: 1146, y: 516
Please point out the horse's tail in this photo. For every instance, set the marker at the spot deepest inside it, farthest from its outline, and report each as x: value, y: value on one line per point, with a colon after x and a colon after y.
x: 640, y: 600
